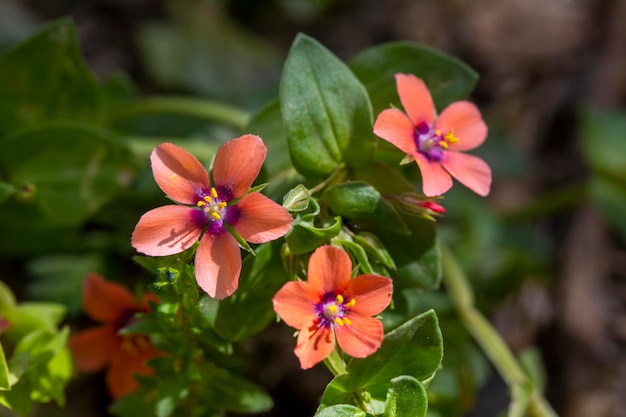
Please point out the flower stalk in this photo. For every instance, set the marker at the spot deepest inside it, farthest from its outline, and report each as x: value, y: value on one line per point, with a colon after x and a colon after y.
x: 526, y: 397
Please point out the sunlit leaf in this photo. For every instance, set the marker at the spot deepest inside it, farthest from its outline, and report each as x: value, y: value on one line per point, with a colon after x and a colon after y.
x: 326, y: 111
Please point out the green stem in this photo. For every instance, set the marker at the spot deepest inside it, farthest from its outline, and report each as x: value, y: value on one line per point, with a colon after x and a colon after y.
x: 490, y: 341
x: 337, y: 366
x: 191, y: 107
x: 332, y: 177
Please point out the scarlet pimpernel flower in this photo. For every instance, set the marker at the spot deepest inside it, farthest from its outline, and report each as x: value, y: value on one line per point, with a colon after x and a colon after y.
x: 435, y: 143
x: 208, y: 209
x: 124, y: 355
x: 332, y: 305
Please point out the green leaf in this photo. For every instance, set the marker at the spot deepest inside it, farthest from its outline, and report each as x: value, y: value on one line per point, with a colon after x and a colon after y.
x: 417, y: 256
x: 406, y: 398
x: 45, y: 78
x: 326, y: 111
x: 363, y: 204
x: 71, y: 171
x: 18, y: 398
x: 4, y: 371
x: 448, y: 78
x: 34, y: 316
x: 7, y: 299
x: 306, y: 234
x: 233, y: 393
x: 341, y: 410
x: 414, y: 349
x: 359, y: 253
x: 249, y: 309
x: 375, y: 248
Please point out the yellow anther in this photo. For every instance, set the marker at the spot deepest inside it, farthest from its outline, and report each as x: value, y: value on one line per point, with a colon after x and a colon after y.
x: 213, y: 192
x: 339, y: 321
x: 221, y: 205
x: 332, y: 309
x: 216, y: 215
x: 207, y: 199
x: 201, y: 203
x: 450, y: 138
x: 339, y: 298
x: 351, y: 303
x: 347, y: 321
x: 443, y: 144
x: 438, y: 132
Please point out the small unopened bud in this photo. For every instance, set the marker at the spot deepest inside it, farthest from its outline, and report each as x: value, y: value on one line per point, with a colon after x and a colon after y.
x: 432, y: 206
x: 297, y: 199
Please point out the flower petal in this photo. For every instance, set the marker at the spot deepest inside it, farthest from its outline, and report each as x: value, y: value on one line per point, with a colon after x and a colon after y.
x: 470, y: 170
x: 372, y: 294
x: 435, y: 180
x: 314, y: 345
x: 396, y: 128
x: 106, y: 301
x: 165, y: 231
x: 329, y: 270
x: 178, y: 173
x: 362, y: 337
x: 120, y: 376
x: 416, y: 99
x: 218, y: 265
x: 261, y: 219
x: 295, y: 304
x: 238, y: 162
x: 464, y: 120
x: 93, y: 348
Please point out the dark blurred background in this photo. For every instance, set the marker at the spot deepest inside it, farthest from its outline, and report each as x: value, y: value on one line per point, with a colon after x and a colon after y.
x: 543, y: 65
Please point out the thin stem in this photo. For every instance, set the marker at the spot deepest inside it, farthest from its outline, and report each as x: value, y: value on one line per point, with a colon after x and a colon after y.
x: 337, y: 366
x: 490, y: 341
x: 190, y: 107
x: 328, y: 180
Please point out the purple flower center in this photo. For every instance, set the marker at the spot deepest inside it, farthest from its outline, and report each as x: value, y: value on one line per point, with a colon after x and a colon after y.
x: 212, y: 210
x: 432, y: 143
x: 333, y: 310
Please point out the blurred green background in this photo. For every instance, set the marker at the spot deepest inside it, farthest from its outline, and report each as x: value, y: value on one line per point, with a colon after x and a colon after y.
x: 546, y: 251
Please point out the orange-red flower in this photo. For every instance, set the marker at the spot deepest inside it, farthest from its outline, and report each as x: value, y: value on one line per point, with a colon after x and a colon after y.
x: 208, y: 209
x: 330, y: 305
x: 435, y: 142
x: 123, y: 355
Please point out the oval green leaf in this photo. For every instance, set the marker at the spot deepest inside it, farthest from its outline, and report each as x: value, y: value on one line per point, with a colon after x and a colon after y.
x: 362, y: 203
x: 414, y: 349
x: 326, y: 111
x: 448, y: 78
x: 406, y: 398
